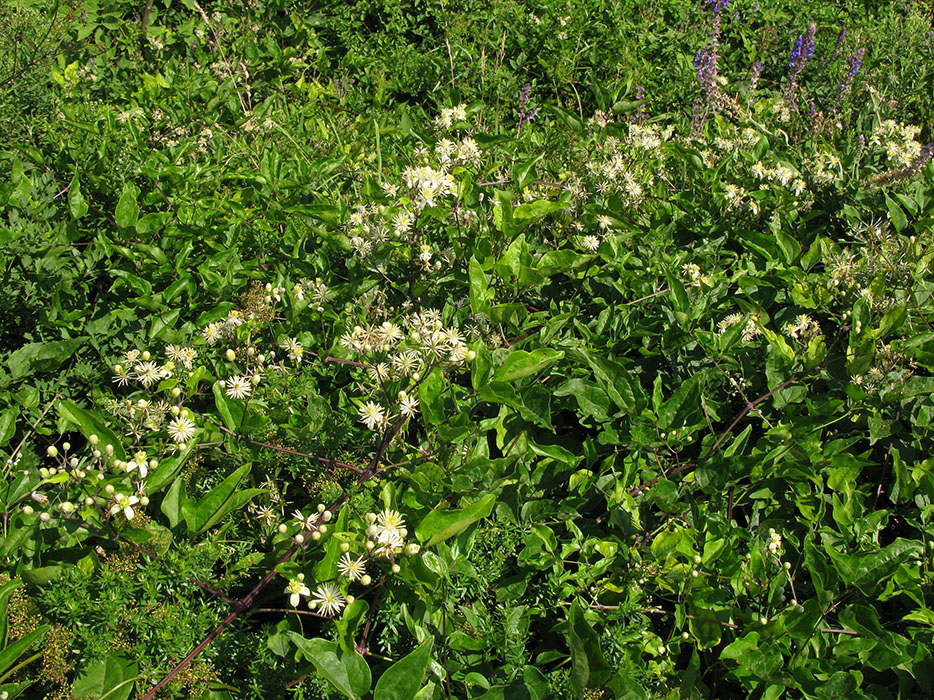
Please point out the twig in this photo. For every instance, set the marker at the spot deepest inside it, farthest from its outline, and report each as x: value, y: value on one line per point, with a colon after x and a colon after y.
x: 237, y: 436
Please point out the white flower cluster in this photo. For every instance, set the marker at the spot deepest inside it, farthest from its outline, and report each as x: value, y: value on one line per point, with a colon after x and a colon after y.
x: 397, y: 354
x: 428, y: 185
x: 825, y: 168
x: 99, y: 476
x: 899, y: 142
x: 738, y: 141
x: 803, y: 328
x: 781, y: 175
x: 623, y: 169
x: 318, y: 289
x: 775, y: 543
x: 693, y: 274
x: 451, y: 115
x: 649, y: 137
x: 147, y: 371
x: 384, y: 538
x: 464, y: 153
x: 750, y: 331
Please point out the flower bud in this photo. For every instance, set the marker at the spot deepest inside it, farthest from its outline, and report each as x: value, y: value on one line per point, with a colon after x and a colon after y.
x: 322, y: 529
x: 471, y: 355
x: 52, y: 451
x: 109, y: 489
x: 396, y: 568
x: 93, y: 439
x: 66, y: 446
x: 255, y: 380
x: 366, y: 580
x: 146, y: 356
x: 282, y: 528
x: 45, y: 517
x: 412, y: 548
x: 176, y: 392
x: 144, y: 500
x: 109, y: 449
x: 299, y: 539
x: 345, y: 546
x: 28, y: 510
x: 230, y: 355
x: 685, y: 635
x: 321, y: 507
x: 89, y: 501
x: 68, y: 507
x: 44, y: 473
x: 316, y: 535
x: 349, y: 599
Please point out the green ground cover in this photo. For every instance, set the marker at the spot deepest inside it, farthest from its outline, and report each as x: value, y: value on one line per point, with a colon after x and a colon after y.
x: 433, y: 350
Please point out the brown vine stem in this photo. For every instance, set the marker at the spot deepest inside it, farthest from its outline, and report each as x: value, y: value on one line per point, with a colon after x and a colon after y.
x: 323, y: 460
x: 152, y: 555
x: 240, y: 606
x: 29, y: 433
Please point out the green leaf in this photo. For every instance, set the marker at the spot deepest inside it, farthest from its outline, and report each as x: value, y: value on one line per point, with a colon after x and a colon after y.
x: 90, y: 423
x: 897, y: 214
x: 430, y: 399
x: 346, y: 671
x: 8, y: 424
x: 481, y: 294
x: 523, y: 173
x: 10, y: 655
x: 127, y: 211
x: 525, y: 214
x: 591, y: 399
x: 349, y: 622
x: 440, y: 524
x: 174, y: 501
x: 230, y: 410
x: 110, y: 678
x: 402, y: 680
x: 521, y: 364
x: 77, y: 207
x: 222, y: 499
x: 42, y: 576
x: 42, y: 357
x: 589, y: 668
x: 151, y: 222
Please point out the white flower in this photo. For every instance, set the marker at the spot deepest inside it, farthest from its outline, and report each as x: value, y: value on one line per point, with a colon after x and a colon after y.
x: 238, y: 387
x: 372, y: 415
x: 148, y: 373
x: 297, y: 589
x: 211, y: 333
x: 124, y: 503
x: 590, y: 243
x: 295, y: 349
x: 328, y: 599
x: 181, y: 429
x: 308, y: 523
x: 408, y: 405
x: 350, y: 567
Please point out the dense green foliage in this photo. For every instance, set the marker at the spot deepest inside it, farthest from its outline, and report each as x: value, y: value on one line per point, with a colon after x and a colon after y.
x: 457, y: 350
